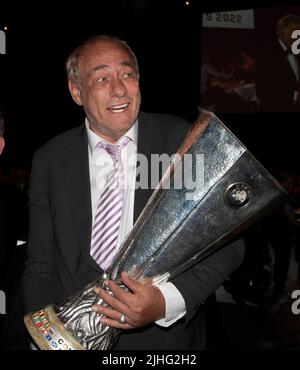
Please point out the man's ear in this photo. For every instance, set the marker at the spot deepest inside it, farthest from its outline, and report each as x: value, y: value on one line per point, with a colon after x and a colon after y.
x: 2, y: 144
x: 75, y: 92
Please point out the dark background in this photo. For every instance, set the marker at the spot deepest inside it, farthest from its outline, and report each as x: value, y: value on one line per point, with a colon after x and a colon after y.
x: 166, y: 36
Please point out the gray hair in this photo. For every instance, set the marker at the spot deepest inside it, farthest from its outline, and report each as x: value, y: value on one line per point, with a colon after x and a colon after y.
x: 72, y: 63
x: 1, y: 124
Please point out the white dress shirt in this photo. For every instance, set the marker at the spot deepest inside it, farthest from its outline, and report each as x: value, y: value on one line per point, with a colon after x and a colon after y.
x: 100, y: 165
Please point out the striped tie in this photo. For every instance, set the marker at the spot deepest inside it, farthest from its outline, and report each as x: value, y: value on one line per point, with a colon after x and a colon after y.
x: 107, y: 220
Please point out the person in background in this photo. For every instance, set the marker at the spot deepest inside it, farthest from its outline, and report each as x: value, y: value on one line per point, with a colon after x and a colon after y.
x: 278, y: 71
x: 280, y: 229
x: 13, y: 237
x: 211, y: 79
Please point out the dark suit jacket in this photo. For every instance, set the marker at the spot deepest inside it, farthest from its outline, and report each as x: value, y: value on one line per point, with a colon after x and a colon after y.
x: 59, y: 260
x: 275, y: 81
x: 13, y: 227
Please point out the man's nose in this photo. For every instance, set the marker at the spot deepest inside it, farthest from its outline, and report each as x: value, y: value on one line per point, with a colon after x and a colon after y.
x: 118, y: 88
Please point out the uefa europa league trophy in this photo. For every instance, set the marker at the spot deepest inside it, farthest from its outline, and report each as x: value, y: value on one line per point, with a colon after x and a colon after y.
x: 177, y: 228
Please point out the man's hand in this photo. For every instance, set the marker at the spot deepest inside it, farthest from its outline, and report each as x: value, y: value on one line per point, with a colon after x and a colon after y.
x: 142, y: 305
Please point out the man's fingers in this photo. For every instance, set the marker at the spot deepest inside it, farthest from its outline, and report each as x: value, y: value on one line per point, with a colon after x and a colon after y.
x: 113, y: 318
x: 106, y: 311
x: 133, y: 284
x: 119, y: 293
x: 112, y: 301
x: 115, y: 324
x: 110, y: 313
x: 129, y: 282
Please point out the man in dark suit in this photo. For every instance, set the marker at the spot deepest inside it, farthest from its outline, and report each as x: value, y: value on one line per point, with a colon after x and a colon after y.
x: 68, y: 179
x: 278, y: 71
x: 13, y: 231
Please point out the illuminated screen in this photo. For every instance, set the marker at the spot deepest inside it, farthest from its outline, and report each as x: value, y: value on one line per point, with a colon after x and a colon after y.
x: 245, y: 66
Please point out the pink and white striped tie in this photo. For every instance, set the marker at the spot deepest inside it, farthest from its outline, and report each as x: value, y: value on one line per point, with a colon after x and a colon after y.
x: 107, y: 220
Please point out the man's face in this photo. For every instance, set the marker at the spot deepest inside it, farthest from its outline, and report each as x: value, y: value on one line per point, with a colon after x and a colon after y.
x: 109, y: 89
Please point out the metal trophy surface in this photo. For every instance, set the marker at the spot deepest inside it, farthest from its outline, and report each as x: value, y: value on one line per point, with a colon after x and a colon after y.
x: 179, y: 227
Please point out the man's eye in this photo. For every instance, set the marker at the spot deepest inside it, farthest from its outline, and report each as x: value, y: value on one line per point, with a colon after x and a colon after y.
x: 102, y: 79
x: 129, y: 75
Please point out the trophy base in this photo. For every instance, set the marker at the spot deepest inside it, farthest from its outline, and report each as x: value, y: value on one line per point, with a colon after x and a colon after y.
x: 49, y: 332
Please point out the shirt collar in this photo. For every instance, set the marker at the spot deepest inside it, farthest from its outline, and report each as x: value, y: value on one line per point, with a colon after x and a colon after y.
x: 93, y: 139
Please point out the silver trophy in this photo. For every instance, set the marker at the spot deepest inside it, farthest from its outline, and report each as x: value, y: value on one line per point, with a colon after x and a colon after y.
x: 186, y: 225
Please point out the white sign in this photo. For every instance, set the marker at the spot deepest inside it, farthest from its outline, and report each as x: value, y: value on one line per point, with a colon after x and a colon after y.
x: 234, y: 19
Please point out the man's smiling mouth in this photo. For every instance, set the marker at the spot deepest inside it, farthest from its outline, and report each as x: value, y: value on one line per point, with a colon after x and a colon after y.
x: 118, y: 108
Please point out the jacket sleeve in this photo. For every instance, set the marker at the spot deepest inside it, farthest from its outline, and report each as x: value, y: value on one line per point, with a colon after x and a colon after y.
x: 37, y: 284
x: 200, y: 281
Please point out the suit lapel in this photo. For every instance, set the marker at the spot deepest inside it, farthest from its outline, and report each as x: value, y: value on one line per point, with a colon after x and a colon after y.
x: 79, y: 191
x: 147, y: 144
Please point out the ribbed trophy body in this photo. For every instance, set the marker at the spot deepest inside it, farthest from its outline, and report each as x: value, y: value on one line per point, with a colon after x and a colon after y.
x: 178, y: 227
